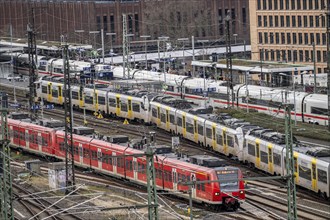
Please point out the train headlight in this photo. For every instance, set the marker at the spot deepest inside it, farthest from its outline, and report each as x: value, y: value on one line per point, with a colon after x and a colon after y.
x: 241, y: 192
x: 217, y: 194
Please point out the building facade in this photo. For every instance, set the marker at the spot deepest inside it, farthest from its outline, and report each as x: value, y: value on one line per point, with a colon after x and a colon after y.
x: 292, y: 31
x: 81, y: 21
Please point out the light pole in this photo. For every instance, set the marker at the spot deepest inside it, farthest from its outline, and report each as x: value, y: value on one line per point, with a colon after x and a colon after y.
x: 164, y: 38
x: 111, y: 49
x: 145, y: 48
x: 203, y: 41
x: 94, y: 33
x: 183, y: 40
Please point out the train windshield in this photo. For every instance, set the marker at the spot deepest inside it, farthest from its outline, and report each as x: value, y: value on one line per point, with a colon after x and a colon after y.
x: 229, y: 175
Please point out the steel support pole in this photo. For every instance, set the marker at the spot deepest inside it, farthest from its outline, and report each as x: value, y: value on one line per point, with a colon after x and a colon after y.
x: 328, y: 58
x: 314, y: 67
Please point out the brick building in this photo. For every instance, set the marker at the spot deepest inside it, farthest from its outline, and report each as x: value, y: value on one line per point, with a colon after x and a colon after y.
x: 285, y: 31
x: 77, y: 19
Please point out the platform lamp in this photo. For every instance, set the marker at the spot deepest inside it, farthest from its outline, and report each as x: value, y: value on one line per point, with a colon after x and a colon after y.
x: 111, y: 48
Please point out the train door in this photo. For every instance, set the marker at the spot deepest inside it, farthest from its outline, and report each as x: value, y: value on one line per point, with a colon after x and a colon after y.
x: 114, y: 162
x: 96, y: 101
x: 135, y: 168
x: 81, y: 153
x: 118, y: 105
x: 158, y: 115
x: 49, y: 96
x: 296, y: 171
x: 314, y: 180
x: 193, y: 186
x: 224, y: 141
x: 175, y: 180
x: 214, y: 143
x: 129, y: 112
x: 39, y: 141
x: 81, y: 97
x: 167, y: 119
x: 257, y: 153
x: 27, y: 139
x: 60, y: 95
x: 270, y: 159
x: 195, y: 130
x: 99, y: 158
x: 184, y: 131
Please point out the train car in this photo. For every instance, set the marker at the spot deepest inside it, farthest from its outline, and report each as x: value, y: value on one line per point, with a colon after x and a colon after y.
x: 313, y: 109
x: 50, y: 90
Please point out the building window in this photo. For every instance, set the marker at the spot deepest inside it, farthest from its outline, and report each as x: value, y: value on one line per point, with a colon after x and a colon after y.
x: 259, y: 4
x: 301, y: 56
x: 305, y: 21
x: 264, y: 5
x: 275, y: 4
x: 259, y: 21
x: 288, y: 38
x: 277, y: 38
x: 323, y: 21
x: 284, y: 55
x: 272, y: 55
x: 105, y: 23
x: 318, y: 56
x: 300, y: 36
x: 311, y: 21
x: 265, y: 21
x: 98, y: 23
x: 112, y: 23
x: 316, y: 4
x: 281, y: 4
x: 324, y: 56
x: 324, y: 39
x: 276, y: 21
x: 271, y: 38
x: 289, y: 55
x: 295, y: 56
x: 312, y: 38
x: 287, y: 21
x: 318, y: 39
x: 266, y: 38
x: 270, y: 21
x: 299, y: 21
x: 260, y: 38
x: 306, y: 38
x: 293, y: 21
x: 317, y: 22
x: 306, y: 55
x: 266, y: 55
x: 304, y: 4
x: 312, y: 56
x: 287, y: 4
x: 282, y: 38
x: 293, y: 5
x: 294, y: 38
x: 278, y: 55
x: 298, y: 4
x: 244, y: 15
x: 137, y: 28
x: 282, y: 20
x: 270, y: 5
x: 311, y: 4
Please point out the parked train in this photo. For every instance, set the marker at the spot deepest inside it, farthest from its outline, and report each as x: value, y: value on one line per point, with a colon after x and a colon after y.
x: 171, y: 173
x: 258, y: 147
x: 306, y: 107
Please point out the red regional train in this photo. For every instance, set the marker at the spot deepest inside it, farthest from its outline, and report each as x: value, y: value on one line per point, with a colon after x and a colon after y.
x: 170, y: 173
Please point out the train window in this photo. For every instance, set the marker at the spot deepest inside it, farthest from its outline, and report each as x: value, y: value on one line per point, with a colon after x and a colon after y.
x: 230, y: 141
x: 190, y: 128
x: 154, y: 112
x: 75, y: 95
x: 203, y: 186
x: 88, y: 99
x: 172, y: 119
x: 208, y: 133
x: 44, y: 89
x: 119, y: 162
x: 322, y: 176
x: 219, y: 139
x: 163, y: 117
x: 54, y: 93
x: 169, y: 177
x: 198, y: 185
x: 277, y: 159
x: 101, y: 100
x: 304, y: 172
x: 112, y: 102
x: 200, y: 130
x: 124, y: 107
x: 251, y: 149
x: 179, y: 121
x: 264, y: 157
x: 136, y: 107
x: 314, y: 171
x: 319, y: 111
x: 170, y: 88
x: 39, y: 140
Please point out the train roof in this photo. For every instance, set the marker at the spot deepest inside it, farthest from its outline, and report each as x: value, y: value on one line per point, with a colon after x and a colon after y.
x: 207, y: 161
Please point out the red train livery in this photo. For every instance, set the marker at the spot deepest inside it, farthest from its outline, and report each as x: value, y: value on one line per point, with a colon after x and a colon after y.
x: 170, y: 173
